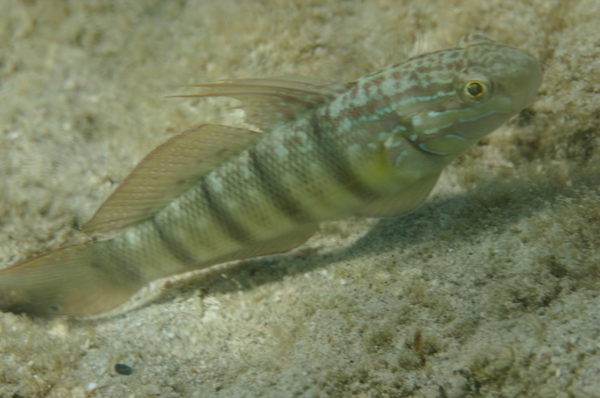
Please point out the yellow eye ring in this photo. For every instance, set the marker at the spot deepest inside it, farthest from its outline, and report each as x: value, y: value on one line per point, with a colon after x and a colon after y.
x: 474, y: 89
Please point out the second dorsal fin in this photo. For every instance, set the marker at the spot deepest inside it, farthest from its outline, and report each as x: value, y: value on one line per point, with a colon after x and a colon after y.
x: 271, y: 101
x: 166, y: 172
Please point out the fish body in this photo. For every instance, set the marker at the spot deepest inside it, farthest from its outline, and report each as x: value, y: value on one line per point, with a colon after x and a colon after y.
x: 375, y: 147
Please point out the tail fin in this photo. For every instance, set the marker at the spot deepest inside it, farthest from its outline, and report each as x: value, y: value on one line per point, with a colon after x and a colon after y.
x: 64, y: 282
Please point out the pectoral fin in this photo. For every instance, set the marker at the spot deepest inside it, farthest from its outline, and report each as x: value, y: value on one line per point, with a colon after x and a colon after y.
x: 403, y: 202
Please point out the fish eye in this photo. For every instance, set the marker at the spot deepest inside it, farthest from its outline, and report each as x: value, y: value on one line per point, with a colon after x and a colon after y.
x: 474, y: 89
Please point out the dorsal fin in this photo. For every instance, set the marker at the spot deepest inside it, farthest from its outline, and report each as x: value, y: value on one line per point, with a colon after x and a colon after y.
x: 166, y: 172
x: 473, y: 38
x: 271, y: 101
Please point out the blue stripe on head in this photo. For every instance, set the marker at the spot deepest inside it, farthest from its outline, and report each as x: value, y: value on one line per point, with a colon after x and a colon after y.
x: 424, y: 148
x: 480, y: 116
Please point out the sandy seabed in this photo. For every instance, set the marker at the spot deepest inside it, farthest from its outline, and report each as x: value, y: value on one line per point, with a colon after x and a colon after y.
x: 490, y: 289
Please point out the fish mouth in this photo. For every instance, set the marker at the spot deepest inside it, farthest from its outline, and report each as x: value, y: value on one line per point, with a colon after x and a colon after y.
x: 528, y: 81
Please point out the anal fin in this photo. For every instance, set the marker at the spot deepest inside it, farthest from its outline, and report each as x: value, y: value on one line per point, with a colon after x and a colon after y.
x: 281, y: 244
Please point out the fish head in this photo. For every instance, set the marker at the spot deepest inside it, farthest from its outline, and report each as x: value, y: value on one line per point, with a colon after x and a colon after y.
x: 497, y: 82
x: 473, y: 90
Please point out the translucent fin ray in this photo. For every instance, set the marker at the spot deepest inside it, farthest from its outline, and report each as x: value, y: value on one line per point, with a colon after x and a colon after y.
x: 271, y: 101
x: 62, y: 283
x: 167, y: 172
x: 280, y: 244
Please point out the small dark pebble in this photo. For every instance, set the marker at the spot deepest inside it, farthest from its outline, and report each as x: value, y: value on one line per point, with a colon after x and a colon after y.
x: 123, y: 369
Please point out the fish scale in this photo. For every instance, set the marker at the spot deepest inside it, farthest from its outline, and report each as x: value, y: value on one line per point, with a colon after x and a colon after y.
x: 374, y: 147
